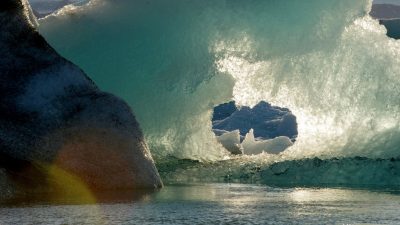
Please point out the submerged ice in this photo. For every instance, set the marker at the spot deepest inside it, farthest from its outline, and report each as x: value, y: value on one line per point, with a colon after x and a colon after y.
x: 327, y: 61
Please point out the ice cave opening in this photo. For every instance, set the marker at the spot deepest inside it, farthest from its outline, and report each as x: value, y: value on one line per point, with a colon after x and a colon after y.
x: 246, y: 130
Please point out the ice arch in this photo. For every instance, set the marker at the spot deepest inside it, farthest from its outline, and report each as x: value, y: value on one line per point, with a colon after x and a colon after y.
x: 327, y: 61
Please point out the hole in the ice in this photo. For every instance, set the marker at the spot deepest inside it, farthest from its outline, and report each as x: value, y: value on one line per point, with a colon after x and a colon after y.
x: 251, y: 131
x: 392, y: 27
x: 388, y: 15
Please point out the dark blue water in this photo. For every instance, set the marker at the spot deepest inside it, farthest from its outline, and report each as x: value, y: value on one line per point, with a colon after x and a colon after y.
x: 223, y: 204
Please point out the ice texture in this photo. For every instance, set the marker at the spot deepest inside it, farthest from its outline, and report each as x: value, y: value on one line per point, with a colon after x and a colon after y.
x: 313, y: 172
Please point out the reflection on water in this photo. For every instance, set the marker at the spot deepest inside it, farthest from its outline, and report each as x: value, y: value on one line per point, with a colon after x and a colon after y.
x: 219, y: 203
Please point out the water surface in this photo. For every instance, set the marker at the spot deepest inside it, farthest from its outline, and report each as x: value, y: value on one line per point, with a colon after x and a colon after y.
x: 222, y: 204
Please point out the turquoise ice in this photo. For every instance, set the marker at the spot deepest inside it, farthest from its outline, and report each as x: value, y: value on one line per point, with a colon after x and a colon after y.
x: 173, y: 61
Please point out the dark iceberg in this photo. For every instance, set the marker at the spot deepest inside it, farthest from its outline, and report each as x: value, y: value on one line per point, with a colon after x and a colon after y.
x: 55, y: 121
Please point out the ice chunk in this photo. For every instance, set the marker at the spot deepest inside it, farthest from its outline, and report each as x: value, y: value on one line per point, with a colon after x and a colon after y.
x: 277, y: 145
x: 231, y: 141
x: 251, y: 146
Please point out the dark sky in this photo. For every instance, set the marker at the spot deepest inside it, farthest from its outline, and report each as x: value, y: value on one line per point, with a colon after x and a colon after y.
x: 396, y: 2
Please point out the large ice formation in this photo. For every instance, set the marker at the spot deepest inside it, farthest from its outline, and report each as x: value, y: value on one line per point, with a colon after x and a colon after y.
x: 327, y: 61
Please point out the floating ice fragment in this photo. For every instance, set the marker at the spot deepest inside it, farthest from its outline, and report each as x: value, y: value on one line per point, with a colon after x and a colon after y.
x: 231, y: 141
x: 251, y: 146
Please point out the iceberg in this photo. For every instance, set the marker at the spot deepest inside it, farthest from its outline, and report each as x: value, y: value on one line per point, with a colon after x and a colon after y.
x: 329, y: 62
x: 58, y: 130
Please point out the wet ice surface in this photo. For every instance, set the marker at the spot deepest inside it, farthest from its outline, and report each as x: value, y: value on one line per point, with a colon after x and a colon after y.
x: 223, y: 204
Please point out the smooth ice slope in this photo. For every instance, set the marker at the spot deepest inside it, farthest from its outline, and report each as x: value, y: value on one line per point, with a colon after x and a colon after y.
x: 327, y: 61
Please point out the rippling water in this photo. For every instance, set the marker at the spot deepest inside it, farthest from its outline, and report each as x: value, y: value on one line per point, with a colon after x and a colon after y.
x: 222, y: 204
